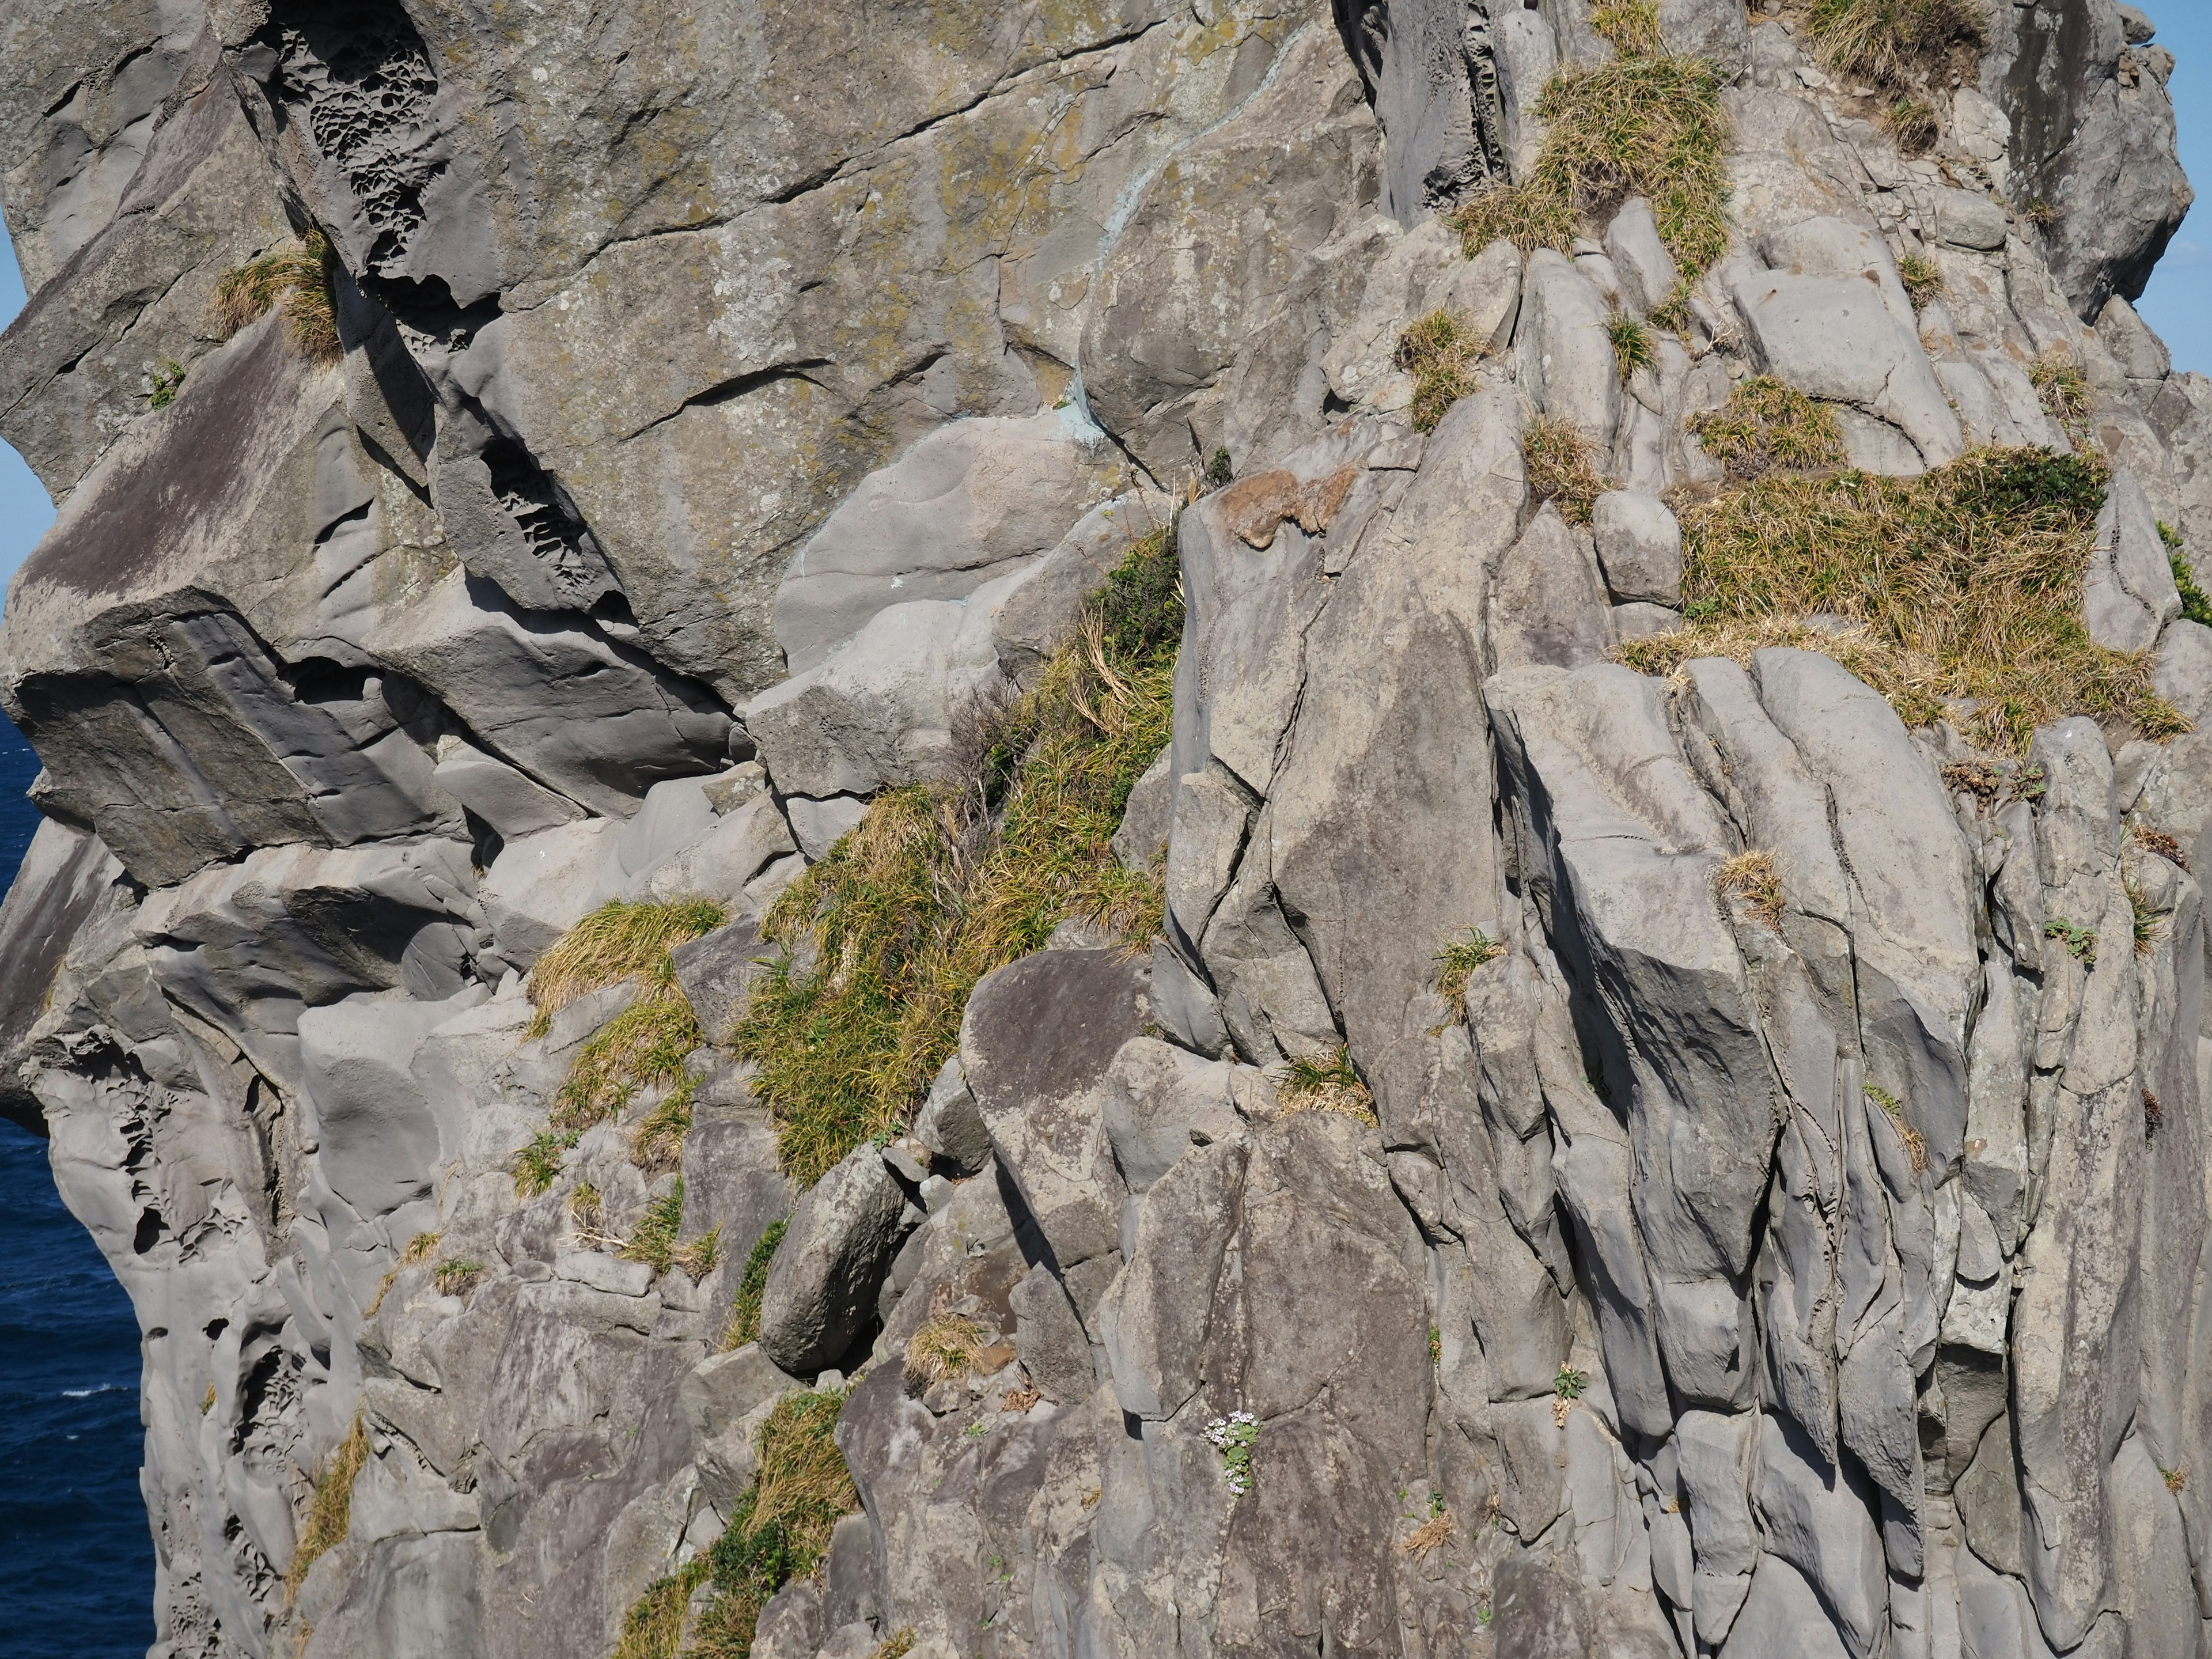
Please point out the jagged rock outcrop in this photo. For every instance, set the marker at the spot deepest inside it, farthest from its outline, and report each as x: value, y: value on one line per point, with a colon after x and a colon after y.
x: 1618, y: 1247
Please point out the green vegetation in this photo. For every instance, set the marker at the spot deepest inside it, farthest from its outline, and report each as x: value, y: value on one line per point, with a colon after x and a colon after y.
x: 1439, y: 351
x: 2081, y: 943
x: 1558, y: 459
x: 164, y: 383
x: 2195, y: 606
x: 1570, y: 1383
x: 332, y: 1516
x: 943, y: 1349
x: 1458, y: 960
x: 457, y: 1277
x: 1768, y: 424
x: 644, y: 1044
x: 297, y: 280
x: 744, y: 1312
x: 1911, y: 122
x: 942, y: 882
x: 2150, y: 920
x: 2064, y: 389
x: 1924, y: 282
x: 1894, y: 43
x: 1218, y: 469
x: 1961, y: 591
x: 1647, y: 123
x: 1324, y: 1083
x: 1916, y: 1144
x: 1631, y: 343
x: 897, y: 1645
x: 654, y: 1240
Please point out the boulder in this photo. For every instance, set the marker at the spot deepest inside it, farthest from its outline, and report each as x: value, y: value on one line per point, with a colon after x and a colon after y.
x: 822, y: 1287
x: 1639, y: 545
x: 1567, y: 370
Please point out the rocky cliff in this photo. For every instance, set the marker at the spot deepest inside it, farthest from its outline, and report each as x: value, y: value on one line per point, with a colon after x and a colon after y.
x: 1124, y: 830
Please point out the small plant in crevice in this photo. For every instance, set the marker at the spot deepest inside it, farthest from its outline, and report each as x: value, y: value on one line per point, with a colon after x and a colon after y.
x: 942, y: 882
x: 330, y: 1515
x: 1753, y: 877
x: 1916, y: 1144
x: 1566, y: 1387
x: 2153, y: 1115
x: 2196, y: 605
x: 1439, y: 351
x: 2038, y: 212
x: 2029, y: 784
x: 457, y: 1276
x: 1956, y: 595
x: 1218, y: 469
x: 1456, y: 964
x: 296, y: 281
x: 1648, y: 123
x: 2063, y: 390
x: 1768, y: 425
x: 2157, y: 840
x: 654, y: 1241
x: 1234, y: 1436
x: 2081, y: 943
x: 1433, y: 1534
x: 2149, y: 921
x: 1435, y: 1347
x: 207, y: 1401
x: 2176, y: 1479
x: 897, y: 1645
x: 943, y: 1348
x: 1910, y: 121
x: 1324, y: 1083
x: 1977, y: 778
x: 1558, y: 461
x: 1923, y: 279
x: 164, y: 383
x: 1631, y: 344
x: 744, y: 1308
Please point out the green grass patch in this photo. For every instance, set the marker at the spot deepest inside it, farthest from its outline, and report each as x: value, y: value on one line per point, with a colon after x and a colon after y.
x: 1923, y: 282
x: 1965, y: 583
x: 1768, y: 424
x: 1439, y: 351
x: 1648, y: 123
x: 1457, y: 961
x: 331, y: 1517
x: 1560, y: 469
x: 295, y: 280
x: 744, y: 1310
x: 942, y: 882
x: 1631, y: 344
x: 2195, y: 606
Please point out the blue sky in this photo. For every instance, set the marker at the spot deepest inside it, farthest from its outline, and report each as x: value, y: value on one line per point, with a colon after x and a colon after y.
x: 2178, y: 304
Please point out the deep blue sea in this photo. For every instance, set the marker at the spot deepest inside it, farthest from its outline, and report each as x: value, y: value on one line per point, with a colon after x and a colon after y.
x: 76, y: 1561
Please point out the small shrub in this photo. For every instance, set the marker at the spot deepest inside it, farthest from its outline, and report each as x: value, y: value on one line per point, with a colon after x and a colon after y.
x: 164, y: 383
x: 1768, y: 425
x: 1327, y: 1083
x: 296, y: 280
x: 2195, y: 606
x: 943, y: 1349
x: 744, y: 1312
x: 1916, y: 1144
x: 1458, y: 960
x: 1570, y: 1383
x: 2064, y: 392
x: 331, y: 1517
x: 1234, y: 1436
x: 457, y: 1277
x: 1752, y: 878
x: 2158, y: 842
x: 2081, y: 943
x: 1893, y: 43
x: 2154, y: 1114
x: 1558, y: 459
x: 942, y: 882
x: 1218, y: 469
x: 1439, y: 352
x: 1647, y: 123
x: 1631, y: 344
x: 1910, y: 121
x: 1962, y: 584
x: 1923, y: 279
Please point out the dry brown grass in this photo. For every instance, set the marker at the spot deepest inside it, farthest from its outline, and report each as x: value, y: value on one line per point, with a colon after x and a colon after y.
x: 804, y: 1485
x: 1440, y: 352
x: 1557, y: 458
x: 1957, y: 593
x: 1916, y: 1144
x: 296, y: 279
x: 330, y: 1518
x: 1752, y: 878
x: 1768, y: 425
x: 618, y: 941
x: 2158, y: 842
x: 943, y: 1349
x: 1896, y: 43
x: 1324, y: 1083
x: 1429, y: 1537
x: 2064, y: 392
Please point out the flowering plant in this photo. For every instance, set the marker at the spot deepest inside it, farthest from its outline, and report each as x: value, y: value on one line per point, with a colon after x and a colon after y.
x: 1234, y: 1436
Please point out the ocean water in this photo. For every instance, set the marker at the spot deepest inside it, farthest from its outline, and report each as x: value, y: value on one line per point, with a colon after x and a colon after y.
x: 76, y: 1561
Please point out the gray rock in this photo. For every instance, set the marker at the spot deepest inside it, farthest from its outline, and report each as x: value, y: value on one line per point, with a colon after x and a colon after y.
x: 1141, y: 843
x: 1639, y: 545
x: 2128, y: 593
x: 1646, y: 269
x: 819, y: 825
x: 64, y: 875
x: 949, y: 1123
x: 513, y: 804
x: 717, y: 972
x: 1549, y: 604
x: 721, y: 1397
x: 1966, y: 218
x: 1564, y: 356
x: 541, y: 884
x: 822, y: 1287
x: 1049, y: 1339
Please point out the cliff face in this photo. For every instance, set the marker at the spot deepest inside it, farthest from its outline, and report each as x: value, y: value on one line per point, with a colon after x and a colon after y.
x: 1764, y: 1202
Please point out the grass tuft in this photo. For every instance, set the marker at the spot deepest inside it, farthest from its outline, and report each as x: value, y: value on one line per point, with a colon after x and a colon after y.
x: 744, y: 1312
x: 2195, y: 606
x: 1924, y: 281
x: 1910, y: 121
x: 297, y: 280
x: 1916, y: 1144
x: 619, y: 940
x: 2064, y: 390
x: 897, y: 1645
x: 1631, y: 344
x: 1894, y: 43
x: 1752, y: 878
x: 943, y: 1349
x: 331, y: 1517
x: 1958, y: 593
x: 654, y: 1626
x: 942, y: 882
x: 1325, y: 1083
x: 1557, y: 458
x: 1647, y: 123
x: 2150, y: 920
x: 1458, y: 960
x: 1439, y: 351
x: 652, y: 1241
x: 457, y: 1277
x: 1768, y: 425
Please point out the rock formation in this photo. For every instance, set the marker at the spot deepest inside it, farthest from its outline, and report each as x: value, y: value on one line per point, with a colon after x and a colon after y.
x: 1762, y: 1205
